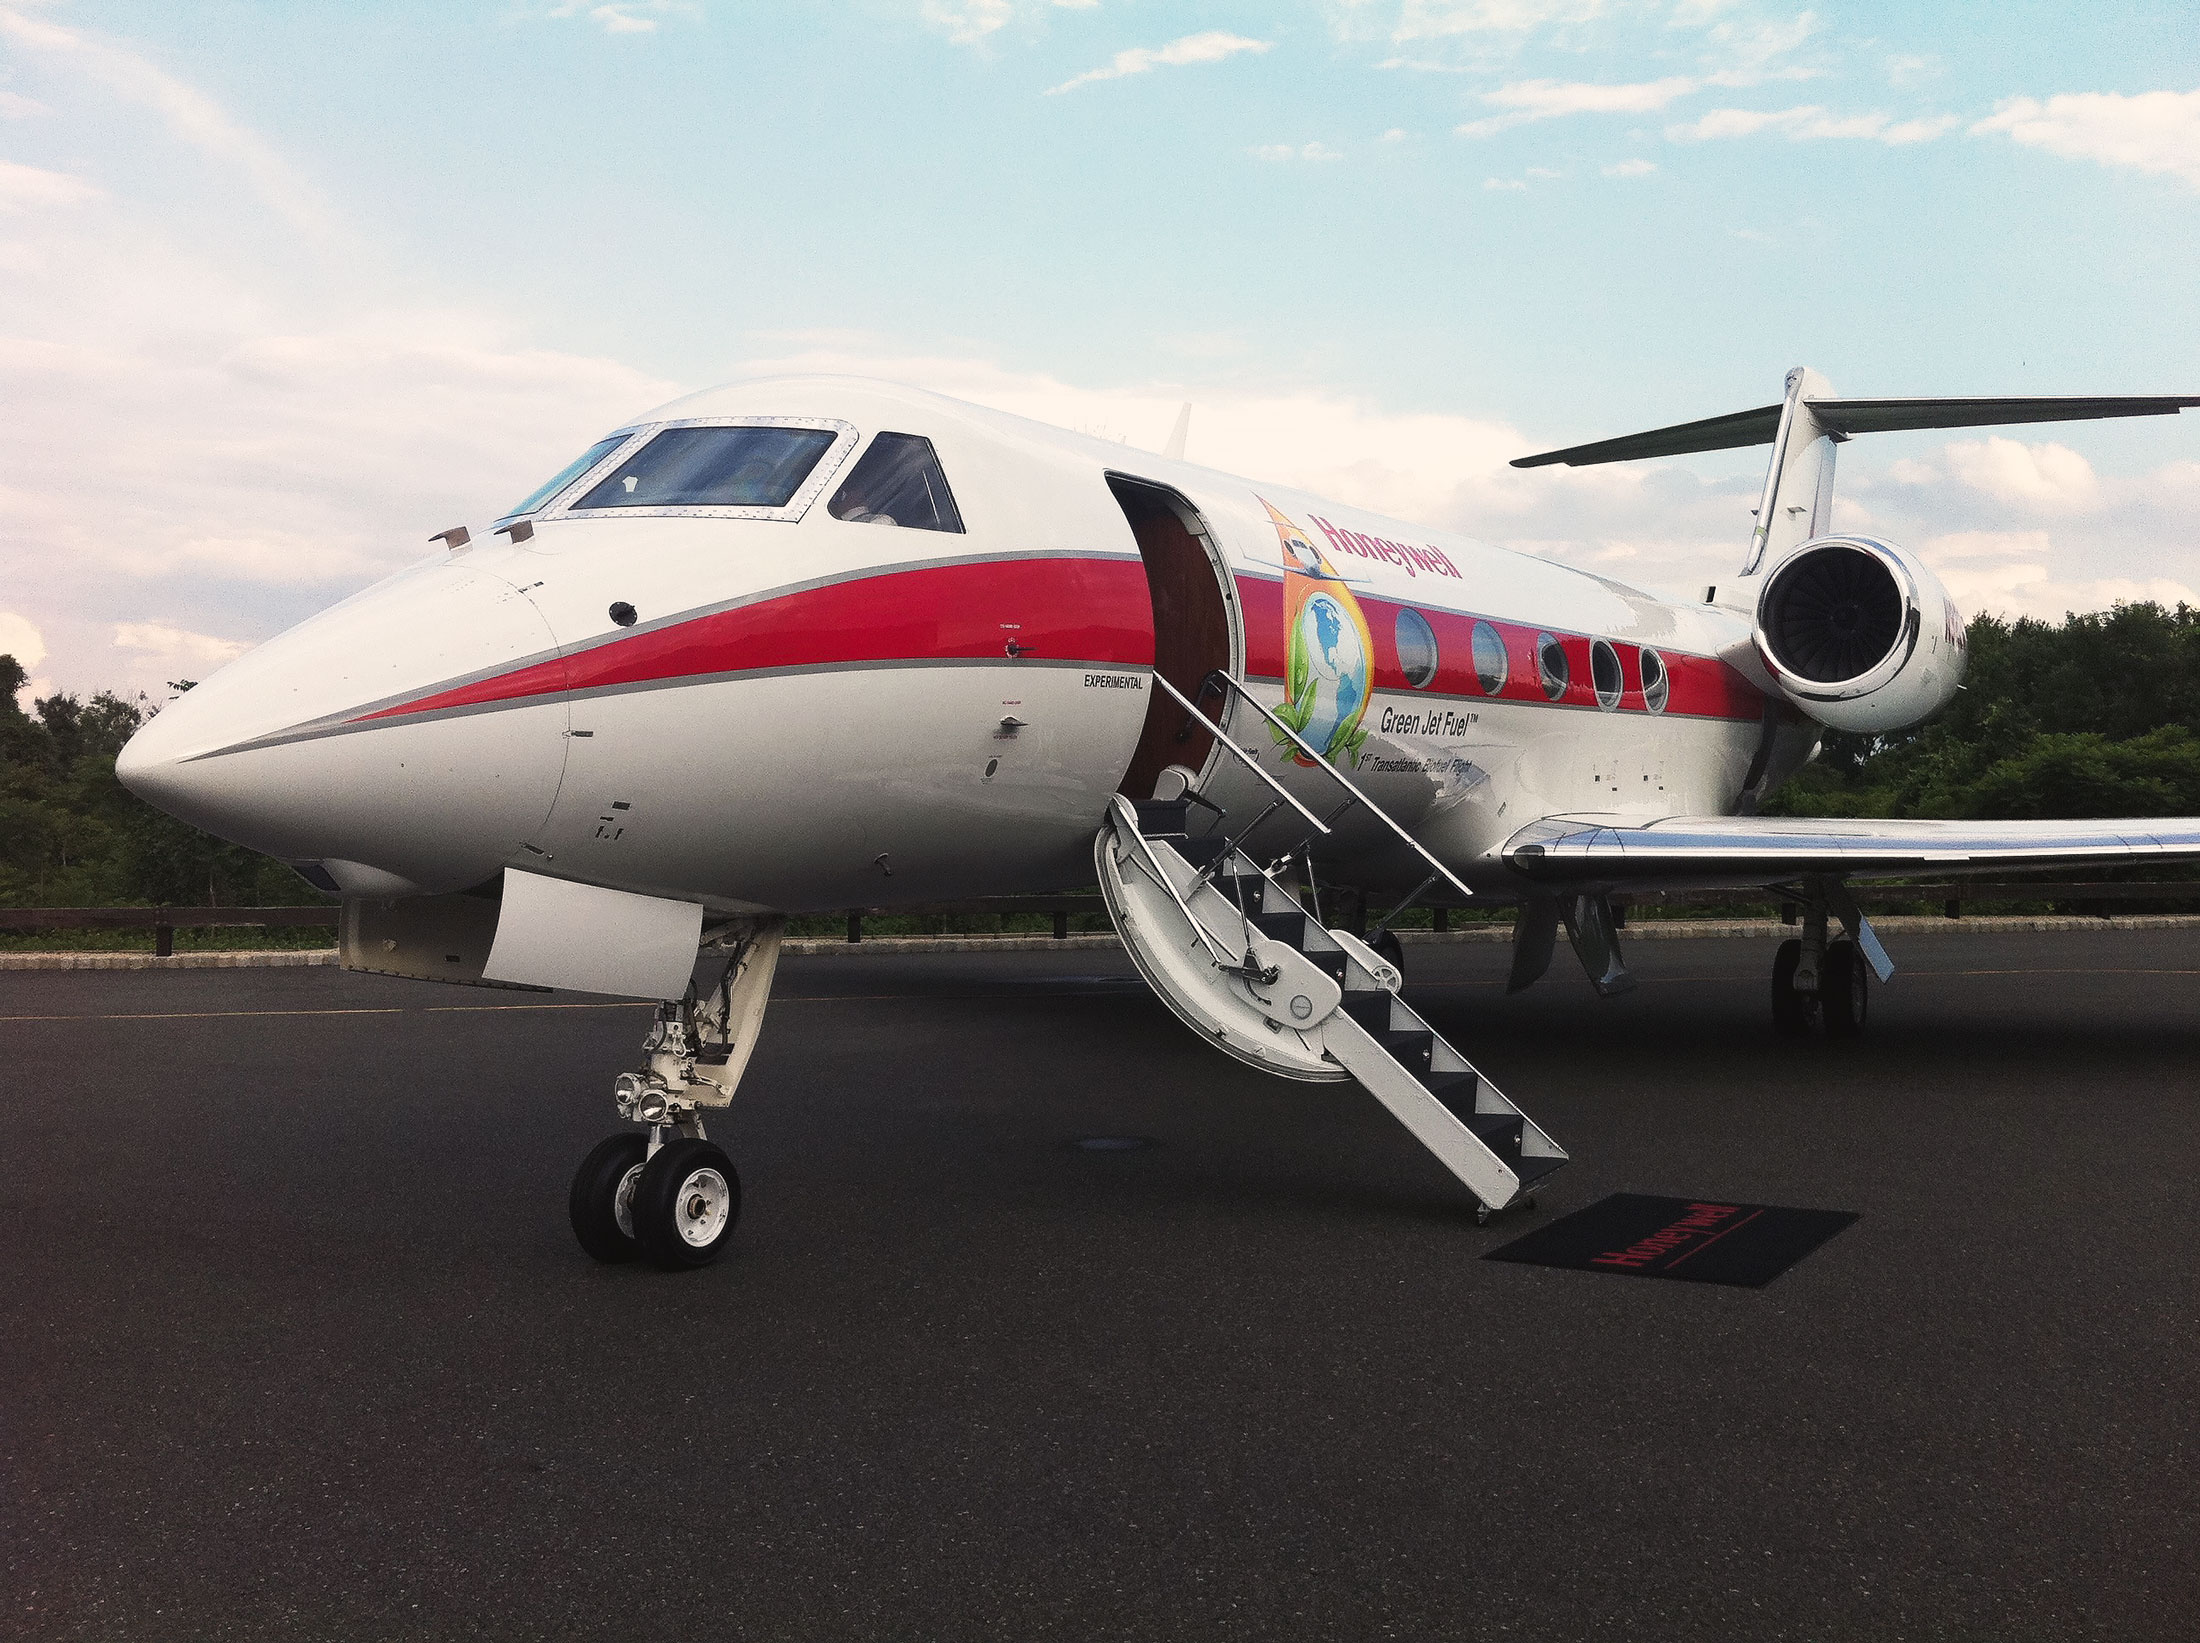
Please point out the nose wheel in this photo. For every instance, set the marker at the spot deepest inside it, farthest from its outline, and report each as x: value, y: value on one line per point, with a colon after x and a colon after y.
x: 676, y: 1205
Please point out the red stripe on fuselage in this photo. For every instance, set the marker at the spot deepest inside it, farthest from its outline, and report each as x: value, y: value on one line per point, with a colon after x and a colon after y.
x: 1702, y: 686
x: 1084, y: 610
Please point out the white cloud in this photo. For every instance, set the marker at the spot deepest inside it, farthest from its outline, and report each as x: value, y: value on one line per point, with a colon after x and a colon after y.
x: 1210, y: 47
x: 160, y: 642
x: 1396, y: 134
x: 1505, y: 185
x: 1403, y: 22
x: 27, y: 187
x: 15, y: 106
x: 2153, y: 131
x: 189, y: 113
x: 1910, y: 71
x: 2009, y: 470
x: 1810, y: 123
x: 2006, y: 574
x: 1316, y: 153
x: 629, y: 16
x: 970, y: 22
x: 1528, y: 100
x: 20, y: 638
x: 1631, y: 168
x: 1745, y: 50
x: 193, y: 446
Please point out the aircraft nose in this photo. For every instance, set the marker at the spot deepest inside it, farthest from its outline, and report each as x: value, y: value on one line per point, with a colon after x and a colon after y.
x: 411, y: 737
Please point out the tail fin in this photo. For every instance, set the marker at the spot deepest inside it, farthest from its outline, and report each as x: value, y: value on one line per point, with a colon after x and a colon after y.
x: 1803, y: 430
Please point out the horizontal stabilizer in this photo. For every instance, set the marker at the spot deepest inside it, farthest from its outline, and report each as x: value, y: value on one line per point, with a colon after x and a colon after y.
x: 1844, y: 417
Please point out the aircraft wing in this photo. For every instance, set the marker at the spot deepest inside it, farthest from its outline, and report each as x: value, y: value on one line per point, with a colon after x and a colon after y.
x: 1682, y: 851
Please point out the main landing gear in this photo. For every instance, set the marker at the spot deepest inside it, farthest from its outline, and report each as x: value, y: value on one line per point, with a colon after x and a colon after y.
x: 1819, y: 981
x: 673, y: 1195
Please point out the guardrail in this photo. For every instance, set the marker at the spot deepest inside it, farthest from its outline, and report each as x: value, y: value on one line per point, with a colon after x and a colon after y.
x: 164, y: 922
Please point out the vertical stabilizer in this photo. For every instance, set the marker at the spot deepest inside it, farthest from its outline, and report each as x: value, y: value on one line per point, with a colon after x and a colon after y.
x: 1796, y: 503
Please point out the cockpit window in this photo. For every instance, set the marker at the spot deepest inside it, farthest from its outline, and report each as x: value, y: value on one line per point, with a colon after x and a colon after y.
x: 713, y: 468
x: 572, y: 471
x: 898, y: 482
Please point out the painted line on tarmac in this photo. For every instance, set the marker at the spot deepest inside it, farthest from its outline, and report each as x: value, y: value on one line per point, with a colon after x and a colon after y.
x: 882, y: 998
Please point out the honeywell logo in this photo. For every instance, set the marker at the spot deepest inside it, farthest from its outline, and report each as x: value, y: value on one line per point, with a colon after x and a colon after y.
x: 1673, y: 1243
x: 1358, y: 543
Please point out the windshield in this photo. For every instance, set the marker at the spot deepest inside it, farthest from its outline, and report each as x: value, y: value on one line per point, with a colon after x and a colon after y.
x: 713, y: 468
x: 898, y: 482
x: 570, y: 472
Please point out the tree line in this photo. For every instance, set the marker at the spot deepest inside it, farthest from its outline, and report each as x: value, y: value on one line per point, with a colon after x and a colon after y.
x: 2096, y: 715
x: 73, y: 836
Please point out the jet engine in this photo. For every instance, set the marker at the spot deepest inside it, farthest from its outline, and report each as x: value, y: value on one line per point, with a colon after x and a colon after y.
x: 1859, y: 635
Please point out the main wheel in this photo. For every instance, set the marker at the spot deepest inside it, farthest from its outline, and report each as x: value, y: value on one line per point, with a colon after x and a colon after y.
x: 686, y: 1203
x: 1844, y: 990
x: 1791, y: 1010
x: 602, y: 1189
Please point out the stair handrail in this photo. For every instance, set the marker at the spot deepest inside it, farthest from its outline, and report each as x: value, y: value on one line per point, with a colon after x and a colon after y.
x: 1222, y: 739
x: 1229, y: 682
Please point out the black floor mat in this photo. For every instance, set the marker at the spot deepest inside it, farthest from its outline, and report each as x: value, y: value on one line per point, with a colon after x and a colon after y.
x: 1694, y: 1240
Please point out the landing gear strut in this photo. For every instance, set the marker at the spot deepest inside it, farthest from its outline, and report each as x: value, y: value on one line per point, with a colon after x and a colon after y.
x: 1817, y: 980
x: 673, y: 1195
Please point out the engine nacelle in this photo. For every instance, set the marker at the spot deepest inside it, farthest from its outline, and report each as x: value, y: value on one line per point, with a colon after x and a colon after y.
x: 1860, y: 635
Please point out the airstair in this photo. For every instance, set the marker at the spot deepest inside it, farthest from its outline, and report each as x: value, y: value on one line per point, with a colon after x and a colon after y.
x: 1245, y: 963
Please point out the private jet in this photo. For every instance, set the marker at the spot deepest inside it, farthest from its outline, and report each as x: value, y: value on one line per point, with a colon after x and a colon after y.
x: 801, y: 644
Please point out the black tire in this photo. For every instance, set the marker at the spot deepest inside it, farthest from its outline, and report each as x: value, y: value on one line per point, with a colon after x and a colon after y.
x: 1791, y: 1010
x: 1844, y: 990
x: 682, y: 1218
x: 1391, y: 951
x: 594, y: 1204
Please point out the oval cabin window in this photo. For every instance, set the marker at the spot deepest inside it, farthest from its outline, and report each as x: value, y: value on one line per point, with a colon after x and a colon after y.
x: 1491, y: 668
x: 1416, y: 649
x: 1550, y: 662
x: 1606, y: 674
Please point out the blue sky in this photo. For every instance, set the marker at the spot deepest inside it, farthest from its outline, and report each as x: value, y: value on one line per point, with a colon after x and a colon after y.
x: 285, y: 287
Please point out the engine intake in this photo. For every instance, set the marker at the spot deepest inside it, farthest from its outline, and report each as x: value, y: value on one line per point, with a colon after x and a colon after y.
x: 1860, y: 635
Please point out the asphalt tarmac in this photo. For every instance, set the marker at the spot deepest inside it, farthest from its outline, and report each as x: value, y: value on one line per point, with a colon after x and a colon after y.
x: 297, y: 1343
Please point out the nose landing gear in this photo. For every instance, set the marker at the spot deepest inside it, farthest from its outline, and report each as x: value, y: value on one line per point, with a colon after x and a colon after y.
x: 673, y: 1195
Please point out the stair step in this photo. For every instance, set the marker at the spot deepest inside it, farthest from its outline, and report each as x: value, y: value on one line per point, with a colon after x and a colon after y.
x: 1532, y: 1170
x: 1331, y: 964
x: 1456, y: 1090
x: 1370, y: 1009
x: 1289, y: 928
x: 1411, y: 1048
x: 1500, y: 1132
x: 1199, y: 852
x: 1161, y: 817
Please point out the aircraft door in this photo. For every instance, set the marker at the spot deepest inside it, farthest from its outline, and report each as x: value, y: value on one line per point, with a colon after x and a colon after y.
x: 1195, y: 626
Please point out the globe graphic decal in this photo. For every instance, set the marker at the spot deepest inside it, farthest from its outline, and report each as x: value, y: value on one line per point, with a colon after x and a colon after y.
x: 1337, y: 663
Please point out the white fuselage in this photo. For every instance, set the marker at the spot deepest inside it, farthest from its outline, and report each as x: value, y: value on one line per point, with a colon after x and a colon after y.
x: 804, y: 712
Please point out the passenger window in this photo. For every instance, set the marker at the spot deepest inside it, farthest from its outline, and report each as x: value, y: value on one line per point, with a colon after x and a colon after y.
x: 1416, y: 649
x: 1491, y: 666
x: 898, y: 482
x: 1550, y: 661
x: 713, y: 468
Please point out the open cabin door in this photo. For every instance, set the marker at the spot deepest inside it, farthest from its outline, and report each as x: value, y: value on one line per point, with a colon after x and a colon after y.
x: 1193, y: 630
